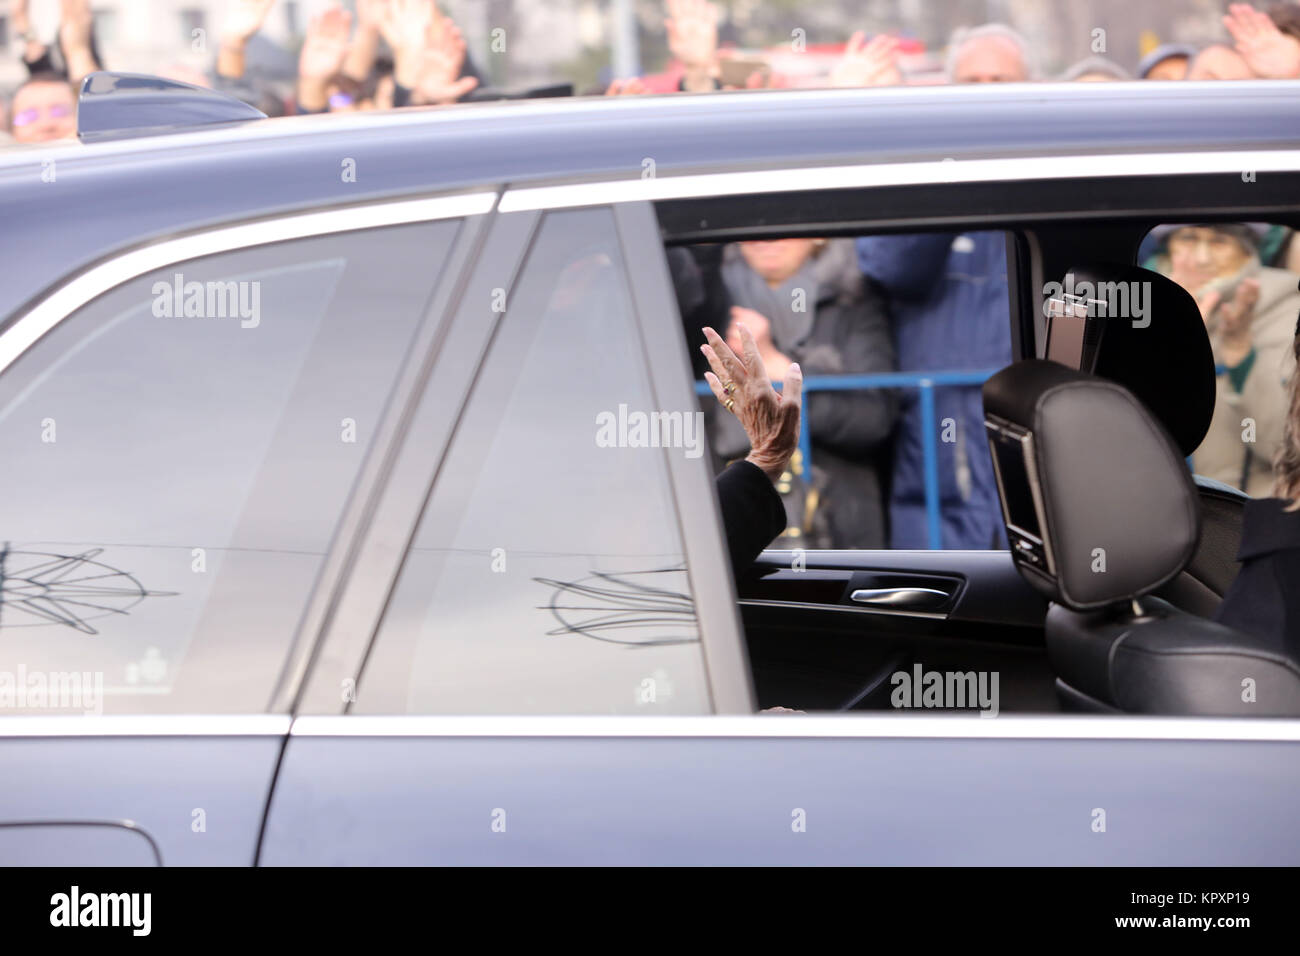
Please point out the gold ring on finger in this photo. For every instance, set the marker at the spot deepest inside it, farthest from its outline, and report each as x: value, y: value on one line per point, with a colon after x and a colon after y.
x: 730, y: 404
x: 728, y: 387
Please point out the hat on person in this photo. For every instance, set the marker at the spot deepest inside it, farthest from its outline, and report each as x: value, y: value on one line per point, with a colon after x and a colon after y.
x: 1161, y: 53
x: 1249, y: 234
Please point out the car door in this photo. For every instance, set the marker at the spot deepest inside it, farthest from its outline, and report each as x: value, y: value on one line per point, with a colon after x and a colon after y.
x: 552, y: 668
x: 188, y: 430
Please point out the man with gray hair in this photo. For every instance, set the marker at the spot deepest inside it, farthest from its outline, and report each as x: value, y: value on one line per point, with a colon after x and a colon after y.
x: 992, y: 53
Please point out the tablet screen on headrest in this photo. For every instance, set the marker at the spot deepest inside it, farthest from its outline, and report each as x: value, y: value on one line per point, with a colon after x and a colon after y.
x: 1013, y: 478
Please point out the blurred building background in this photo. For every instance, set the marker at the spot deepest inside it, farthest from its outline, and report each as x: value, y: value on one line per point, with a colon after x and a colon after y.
x: 586, y: 41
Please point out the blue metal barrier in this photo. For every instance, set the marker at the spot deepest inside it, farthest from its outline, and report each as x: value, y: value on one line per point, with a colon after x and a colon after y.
x: 926, y: 382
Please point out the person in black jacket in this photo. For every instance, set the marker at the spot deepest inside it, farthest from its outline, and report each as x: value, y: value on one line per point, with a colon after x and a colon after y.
x: 1265, y: 597
x: 752, y: 513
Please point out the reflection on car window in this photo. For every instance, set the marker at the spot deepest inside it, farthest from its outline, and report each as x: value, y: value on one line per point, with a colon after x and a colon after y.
x: 1243, y: 277
x: 177, y: 455
x: 547, y: 573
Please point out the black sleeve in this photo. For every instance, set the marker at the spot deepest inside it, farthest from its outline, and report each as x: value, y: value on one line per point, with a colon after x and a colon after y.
x: 752, y: 513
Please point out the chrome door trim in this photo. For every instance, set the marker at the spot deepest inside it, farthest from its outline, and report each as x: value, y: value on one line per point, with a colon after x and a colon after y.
x: 866, y: 175
x: 346, y: 565
x: 49, y: 311
x: 152, y: 725
x: 438, y: 401
x: 890, y: 726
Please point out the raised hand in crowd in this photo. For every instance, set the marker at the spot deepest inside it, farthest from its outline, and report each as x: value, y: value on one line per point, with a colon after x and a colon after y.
x: 242, y: 20
x: 692, y: 27
x: 20, y: 22
x: 428, y: 53
x: 321, y: 58
x: 866, y: 62
x: 775, y: 362
x: 365, y: 44
x: 1230, y: 320
x: 1270, y: 53
x: 76, y: 23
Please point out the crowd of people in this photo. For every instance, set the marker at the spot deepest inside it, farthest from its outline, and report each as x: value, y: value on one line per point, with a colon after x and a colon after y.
x: 923, y: 303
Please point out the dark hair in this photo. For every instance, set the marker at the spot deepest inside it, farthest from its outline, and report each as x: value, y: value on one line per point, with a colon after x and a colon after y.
x: 43, y: 76
x: 1286, y: 16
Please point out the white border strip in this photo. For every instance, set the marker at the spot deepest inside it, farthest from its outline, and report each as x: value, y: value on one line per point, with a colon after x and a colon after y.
x: 159, y: 725
x: 49, y: 312
x: 959, y: 726
x: 816, y: 178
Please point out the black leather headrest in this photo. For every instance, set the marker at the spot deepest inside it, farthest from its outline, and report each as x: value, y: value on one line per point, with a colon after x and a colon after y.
x: 1162, y: 356
x: 1113, y: 500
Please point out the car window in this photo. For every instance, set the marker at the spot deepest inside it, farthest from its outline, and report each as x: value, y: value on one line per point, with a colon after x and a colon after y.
x: 177, y: 453
x: 547, y: 572
x: 895, y: 334
x: 1244, y: 278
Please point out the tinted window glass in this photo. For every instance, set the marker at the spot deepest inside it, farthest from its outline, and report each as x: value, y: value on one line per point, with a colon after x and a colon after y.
x: 895, y: 335
x: 547, y: 572
x: 177, y: 454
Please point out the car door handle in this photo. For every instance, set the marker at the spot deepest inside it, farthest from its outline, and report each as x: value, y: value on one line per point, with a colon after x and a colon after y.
x: 908, y: 598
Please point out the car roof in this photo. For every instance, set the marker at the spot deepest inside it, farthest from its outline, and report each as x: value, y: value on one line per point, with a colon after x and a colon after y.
x: 109, y: 195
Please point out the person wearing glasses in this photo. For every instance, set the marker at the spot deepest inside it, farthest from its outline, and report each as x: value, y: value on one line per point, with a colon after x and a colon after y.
x: 43, y: 109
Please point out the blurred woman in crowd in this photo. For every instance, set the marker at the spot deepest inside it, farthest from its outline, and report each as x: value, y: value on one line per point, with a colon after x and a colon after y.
x: 806, y: 302
x: 1265, y: 599
x: 1250, y: 312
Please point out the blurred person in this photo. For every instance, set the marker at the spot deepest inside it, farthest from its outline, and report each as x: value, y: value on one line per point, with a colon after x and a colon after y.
x: 429, y: 61
x: 950, y: 306
x: 1249, y: 311
x: 1166, y: 62
x: 363, y: 53
x: 43, y: 109
x: 242, y: 20
x: 1264, y: 600
x: 76, y: 49
x: 1095, y: 69
x: 1268, y: 51
x: 1218, y: 61
x: 320, y: 63
x: 805, y: 302
x: 692, y: 28
x: 866, y: 62
x: 991, y: 53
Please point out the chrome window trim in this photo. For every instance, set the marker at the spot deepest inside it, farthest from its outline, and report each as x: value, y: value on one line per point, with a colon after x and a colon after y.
x: 28, y: 328
x: 889, y: 726
x: 151, y: 725
x: 817, y: 178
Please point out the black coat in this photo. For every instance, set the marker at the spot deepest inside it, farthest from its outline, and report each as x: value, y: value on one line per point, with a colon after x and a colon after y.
x: 752, y: 513
x: 1264, y: 600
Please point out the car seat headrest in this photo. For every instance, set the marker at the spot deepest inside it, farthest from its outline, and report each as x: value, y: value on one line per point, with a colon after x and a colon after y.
x: 1099, y: 504
x: 1153, y: 342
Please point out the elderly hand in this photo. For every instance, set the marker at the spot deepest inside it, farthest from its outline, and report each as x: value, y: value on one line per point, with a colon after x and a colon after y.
x: 770, y: 420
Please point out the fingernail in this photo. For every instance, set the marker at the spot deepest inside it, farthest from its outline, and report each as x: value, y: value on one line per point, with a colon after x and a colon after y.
x: 794, y: 367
